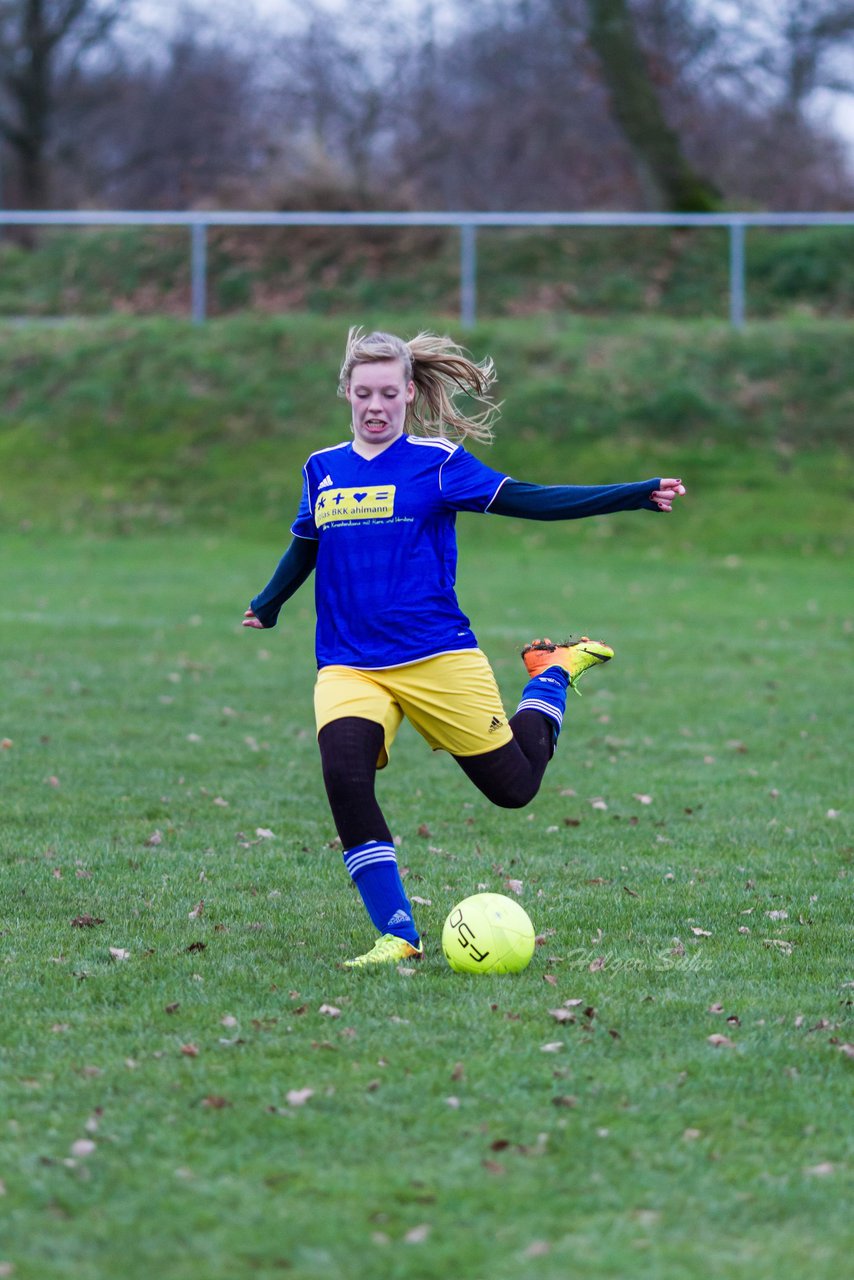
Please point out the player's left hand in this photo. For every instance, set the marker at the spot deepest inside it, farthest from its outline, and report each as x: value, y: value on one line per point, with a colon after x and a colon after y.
x: 249, y: 620
x: 667, y: 494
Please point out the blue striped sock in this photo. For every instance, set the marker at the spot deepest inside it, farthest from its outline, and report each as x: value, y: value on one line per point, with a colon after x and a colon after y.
x: 373, y: 868
x: 546, y: 693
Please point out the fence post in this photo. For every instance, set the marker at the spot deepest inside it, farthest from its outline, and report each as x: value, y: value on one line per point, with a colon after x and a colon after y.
x: 736, y: 275
x: 198, y: 271
x: 468, y: 275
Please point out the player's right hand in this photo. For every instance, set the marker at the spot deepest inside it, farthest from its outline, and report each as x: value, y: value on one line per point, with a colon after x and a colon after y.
x: 249, y: 620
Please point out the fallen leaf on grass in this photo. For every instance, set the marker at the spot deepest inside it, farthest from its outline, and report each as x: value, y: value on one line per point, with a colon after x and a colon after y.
x: 515, y: 886
x: 493, y: 1166
x: 537, y: 1249
x: 720, y: 1042
x: 417, y: 1235
x: 700, y: 933
x: 784, y: 946
x: 847, y: 1050
x: 264, y: 833
x: 597, y: 964
x: 119, y: 953
x: 299, y: 1097
x: 153, y: 840
x: 197, y: 910
x: 86, y: 922
x: 562, y: 1015
x: 823, y: 1170
x: 641, y: 798
x: 82, y: 1147
x: 777, y: 915
x: 554, y: 1046
x: 190, y: 1050
x: 691, y: 1135
x: 330, y: 1010
x: 215, y: 1102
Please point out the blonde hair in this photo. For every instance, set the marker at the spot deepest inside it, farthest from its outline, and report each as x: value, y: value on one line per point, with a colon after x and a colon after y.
x: 441, y: 370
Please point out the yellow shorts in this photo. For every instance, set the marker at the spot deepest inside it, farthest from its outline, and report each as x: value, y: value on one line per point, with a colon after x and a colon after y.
x: 452, y: 700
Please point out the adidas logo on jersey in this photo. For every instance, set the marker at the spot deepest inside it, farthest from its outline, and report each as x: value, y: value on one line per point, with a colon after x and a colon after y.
x: 326, y: 482
x: 399, y: 917
x: 494, y: 724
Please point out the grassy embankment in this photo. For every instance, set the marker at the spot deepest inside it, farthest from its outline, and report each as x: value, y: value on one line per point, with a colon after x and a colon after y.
x: 601, y: 271
x: 248, y: 1109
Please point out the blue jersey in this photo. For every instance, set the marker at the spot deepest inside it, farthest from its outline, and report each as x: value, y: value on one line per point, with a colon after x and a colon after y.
x: 387, y: 548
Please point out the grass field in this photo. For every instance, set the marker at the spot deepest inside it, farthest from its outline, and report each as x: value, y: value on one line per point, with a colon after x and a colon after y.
x: 199, y: 1092
x: 454, y: 1125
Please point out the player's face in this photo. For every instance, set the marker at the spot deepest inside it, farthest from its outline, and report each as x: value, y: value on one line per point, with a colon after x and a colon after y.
x: 379, y: 395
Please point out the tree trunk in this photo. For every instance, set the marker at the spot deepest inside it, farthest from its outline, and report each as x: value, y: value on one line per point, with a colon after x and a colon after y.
x: 667, y: 180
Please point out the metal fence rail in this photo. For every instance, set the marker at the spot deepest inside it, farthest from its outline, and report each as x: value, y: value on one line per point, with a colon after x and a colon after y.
x: 466, y: 223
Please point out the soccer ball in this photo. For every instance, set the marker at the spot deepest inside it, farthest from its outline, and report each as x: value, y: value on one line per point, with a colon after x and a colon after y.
x: 488, y: 933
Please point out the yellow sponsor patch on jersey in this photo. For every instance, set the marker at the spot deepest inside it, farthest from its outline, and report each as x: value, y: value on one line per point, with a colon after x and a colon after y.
x: 372, y: 502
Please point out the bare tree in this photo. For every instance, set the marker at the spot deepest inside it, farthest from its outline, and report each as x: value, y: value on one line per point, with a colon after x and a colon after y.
x: 507, y: 111
x: 36, y: 38
x: 175, y: 129
x: 666, y: 176
x: 790, y: 49
x: 331, y: 101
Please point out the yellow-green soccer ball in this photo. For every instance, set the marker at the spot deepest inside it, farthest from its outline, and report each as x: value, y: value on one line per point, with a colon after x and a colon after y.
x: 488, y: 933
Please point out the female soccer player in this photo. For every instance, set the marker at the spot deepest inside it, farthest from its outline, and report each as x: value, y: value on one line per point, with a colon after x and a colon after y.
x: 376, y: 524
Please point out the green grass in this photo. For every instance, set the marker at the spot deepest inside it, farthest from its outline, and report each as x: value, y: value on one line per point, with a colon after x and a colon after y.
x: 585, y: 271
x: 636, y: 1148
x: 147, y: 477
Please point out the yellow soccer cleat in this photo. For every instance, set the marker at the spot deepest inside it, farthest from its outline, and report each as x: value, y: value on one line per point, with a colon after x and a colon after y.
x: 574, y: 656
x: 386, y: 950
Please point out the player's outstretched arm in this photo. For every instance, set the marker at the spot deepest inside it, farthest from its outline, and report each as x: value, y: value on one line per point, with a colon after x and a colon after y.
x: 291, y: 572
x: 574, y: 501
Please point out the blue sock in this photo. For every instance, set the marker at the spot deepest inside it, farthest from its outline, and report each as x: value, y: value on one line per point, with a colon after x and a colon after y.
x: 373, y: 868
x: 546, y: 693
